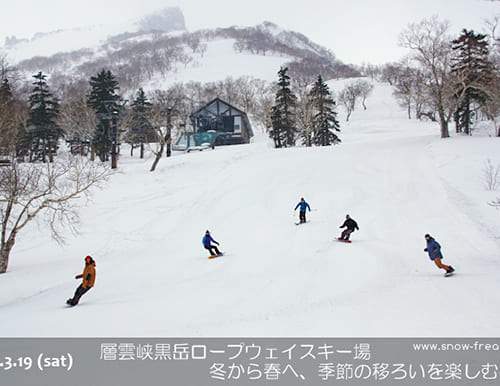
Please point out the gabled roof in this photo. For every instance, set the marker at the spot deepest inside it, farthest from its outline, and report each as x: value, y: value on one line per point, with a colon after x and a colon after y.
x: 220, y: 101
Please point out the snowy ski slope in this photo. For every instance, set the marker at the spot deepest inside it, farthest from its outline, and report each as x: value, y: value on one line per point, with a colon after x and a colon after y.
x: 394, y: 176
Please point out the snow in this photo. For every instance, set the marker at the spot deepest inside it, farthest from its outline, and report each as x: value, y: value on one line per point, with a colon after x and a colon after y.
x: 67, y: 40
x: 220, y: 61
x: 394, y: 176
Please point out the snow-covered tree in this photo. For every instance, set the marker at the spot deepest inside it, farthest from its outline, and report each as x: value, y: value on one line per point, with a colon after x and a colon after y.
x: 32, y: 190
x: 76, y: 118
x: 365, y: 88
x: 9, y: 118
x: 472, y: 73
x: 430, y: 45
x: 140, y: 130
x: 103, y: 98
x: 44, y: 132
x: 165, y: 108
x: 348, y: 98
x: 304, y: 110
x: 325, y: 121
x: 284, y: 130
x: 409, y: 91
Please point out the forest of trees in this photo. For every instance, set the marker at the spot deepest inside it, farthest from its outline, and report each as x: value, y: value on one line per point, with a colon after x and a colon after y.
x: 311, y: 117
x: 444, y: 78
x: 137, y: 57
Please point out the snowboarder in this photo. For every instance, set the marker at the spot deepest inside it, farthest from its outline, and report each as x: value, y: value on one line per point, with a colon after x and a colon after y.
x: 88, y: 276
x: 303, y: 207
x: 434, y: 251
x: 350, y: 226
x: 207, y: 243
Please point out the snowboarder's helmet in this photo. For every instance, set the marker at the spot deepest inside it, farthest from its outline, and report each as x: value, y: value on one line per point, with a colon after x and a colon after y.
x: 88, y: 259
x: 427, y: 236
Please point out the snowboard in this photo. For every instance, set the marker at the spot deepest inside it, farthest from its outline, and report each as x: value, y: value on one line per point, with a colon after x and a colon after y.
x: 300, y: 223
x: 344, y: 241
x: 446, y: 274
x: 214, y: 256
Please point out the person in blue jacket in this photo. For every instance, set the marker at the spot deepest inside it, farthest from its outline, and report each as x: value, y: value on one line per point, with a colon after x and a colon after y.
x: 207, y: 243
x: 434, y: 251
x: 303, y: 207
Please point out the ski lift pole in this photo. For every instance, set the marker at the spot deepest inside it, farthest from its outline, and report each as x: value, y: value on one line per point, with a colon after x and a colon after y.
x: 114, y: 112
x: 169, y: 113
x: 168, y: 137
x: 114, y: 136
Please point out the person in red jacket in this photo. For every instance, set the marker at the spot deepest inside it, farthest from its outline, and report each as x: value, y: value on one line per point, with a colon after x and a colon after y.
x: 88, y: 277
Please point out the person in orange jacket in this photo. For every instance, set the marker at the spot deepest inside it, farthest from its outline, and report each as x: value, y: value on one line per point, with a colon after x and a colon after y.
x: 88, y: 277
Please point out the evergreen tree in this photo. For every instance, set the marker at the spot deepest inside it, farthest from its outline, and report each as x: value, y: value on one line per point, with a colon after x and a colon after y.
x: 103, y: 99
x: 278, y: 131
x: 283, y: 130
x: 44, y: 132
x: 14, y: 139
x: 6, y: 100
x: 5, y: 92
x: 472, y: 71
x: 325, y: 121
x: 141, y: 129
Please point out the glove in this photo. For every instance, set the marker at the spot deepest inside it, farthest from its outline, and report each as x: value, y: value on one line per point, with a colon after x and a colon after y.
x: 425, y: 250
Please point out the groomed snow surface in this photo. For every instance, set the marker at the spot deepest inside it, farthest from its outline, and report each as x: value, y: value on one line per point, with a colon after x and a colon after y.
x: 394, y: 176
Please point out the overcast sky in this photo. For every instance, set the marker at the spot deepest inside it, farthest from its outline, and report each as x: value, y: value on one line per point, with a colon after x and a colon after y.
x: 355, y: 30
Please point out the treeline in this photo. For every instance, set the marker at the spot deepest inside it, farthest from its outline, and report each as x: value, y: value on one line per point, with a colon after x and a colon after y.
x: 312, y: 59
x: 304, y: 112
x: 446, y: 79
x: 137, y: 57
x: 90, y: 114
x: 36, y: 181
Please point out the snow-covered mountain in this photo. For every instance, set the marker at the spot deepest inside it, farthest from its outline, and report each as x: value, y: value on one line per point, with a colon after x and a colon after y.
x: 394, y: 176
x: 67, y: 41
x: 157, y: 49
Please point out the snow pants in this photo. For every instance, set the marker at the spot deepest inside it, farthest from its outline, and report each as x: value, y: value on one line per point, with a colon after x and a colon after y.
x: 302, y: 216
x: 80, y: 291
x: 346, y: 233
x: 211, y: 248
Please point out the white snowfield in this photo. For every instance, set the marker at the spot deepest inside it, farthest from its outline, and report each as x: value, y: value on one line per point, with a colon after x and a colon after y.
x: 394, y: 176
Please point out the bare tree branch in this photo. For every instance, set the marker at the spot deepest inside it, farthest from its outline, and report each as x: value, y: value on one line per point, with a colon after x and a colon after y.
x: 431, y: 47
x: 28, y: 190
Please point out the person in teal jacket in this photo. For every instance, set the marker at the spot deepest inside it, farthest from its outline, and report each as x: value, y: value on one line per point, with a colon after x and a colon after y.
x: 303, y: 207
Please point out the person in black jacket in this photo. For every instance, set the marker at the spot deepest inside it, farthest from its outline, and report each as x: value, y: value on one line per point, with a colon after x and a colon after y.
x: 350, y: 226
